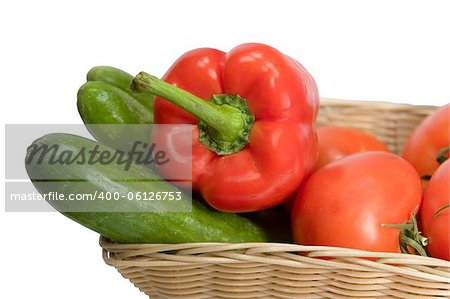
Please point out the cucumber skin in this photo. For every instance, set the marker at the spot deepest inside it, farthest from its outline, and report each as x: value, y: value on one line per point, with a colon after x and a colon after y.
x: 201, y: 224
x: 122, y: 80
x: 102, y: 103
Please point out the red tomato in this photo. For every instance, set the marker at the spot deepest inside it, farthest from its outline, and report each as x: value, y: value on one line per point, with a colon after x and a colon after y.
x: 427, y: 140
x: 437, y: 228
x: 338, y: 142
x: 345, y: 203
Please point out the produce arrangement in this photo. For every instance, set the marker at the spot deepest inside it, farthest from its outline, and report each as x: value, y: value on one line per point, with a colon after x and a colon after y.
x: 261, y: 169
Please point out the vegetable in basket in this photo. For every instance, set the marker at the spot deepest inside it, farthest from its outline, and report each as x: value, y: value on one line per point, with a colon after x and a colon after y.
x: 254, y: 140
x: 424, y: 144
x: 337, y: 142
x: 122, y: 80
x: 435, y: 213
x: 106, y: 99
x: 102, y: 103
x: 197, y: 224
x: 356, y: 202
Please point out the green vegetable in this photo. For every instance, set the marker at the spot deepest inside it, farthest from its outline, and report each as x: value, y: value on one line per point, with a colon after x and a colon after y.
x: 102, y: 103
x: 201, y: 224
x: 122, y: 80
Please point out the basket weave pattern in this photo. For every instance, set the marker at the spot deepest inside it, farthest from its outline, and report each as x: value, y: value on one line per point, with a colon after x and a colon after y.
x: 270, y: 270
x: 391, y: 123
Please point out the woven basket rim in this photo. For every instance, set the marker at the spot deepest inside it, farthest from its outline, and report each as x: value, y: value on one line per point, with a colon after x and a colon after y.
x: 381, y: 104
x: 274, y: 254
x: 268, y: 247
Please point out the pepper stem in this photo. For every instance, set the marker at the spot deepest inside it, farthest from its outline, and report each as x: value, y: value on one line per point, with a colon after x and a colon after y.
x: 224, y: 122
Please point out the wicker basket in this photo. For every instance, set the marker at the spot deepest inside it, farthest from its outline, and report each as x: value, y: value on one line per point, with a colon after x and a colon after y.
x: 271, y: 270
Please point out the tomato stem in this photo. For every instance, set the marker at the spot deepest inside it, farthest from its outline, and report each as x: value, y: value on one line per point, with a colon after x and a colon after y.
x: 410, y: 236
x: 425, y: 177
x: 442, y: 155
x: 441, y: 210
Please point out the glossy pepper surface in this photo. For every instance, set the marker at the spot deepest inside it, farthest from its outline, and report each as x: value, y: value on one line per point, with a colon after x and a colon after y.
x: 254, y: 140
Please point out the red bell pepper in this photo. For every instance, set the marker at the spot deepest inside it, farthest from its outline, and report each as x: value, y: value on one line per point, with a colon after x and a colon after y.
x: 254, y: 141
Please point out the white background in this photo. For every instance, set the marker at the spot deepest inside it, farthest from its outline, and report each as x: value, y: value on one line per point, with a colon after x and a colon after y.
x: 362, y: 50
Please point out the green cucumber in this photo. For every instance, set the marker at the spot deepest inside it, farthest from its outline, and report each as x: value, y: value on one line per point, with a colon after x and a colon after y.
x: 200, y: 224
x: 102, y: 103
x: 121, y: 79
